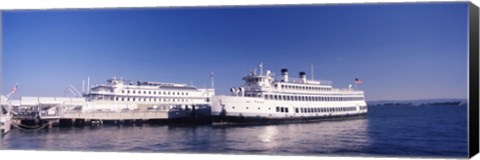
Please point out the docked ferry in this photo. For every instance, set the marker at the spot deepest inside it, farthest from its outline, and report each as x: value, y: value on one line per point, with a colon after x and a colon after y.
x: 122, y: 95
x: 262, y: 98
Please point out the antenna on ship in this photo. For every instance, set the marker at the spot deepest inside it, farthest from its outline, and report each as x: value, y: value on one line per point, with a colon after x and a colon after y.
x: 83, y: 86
x: 260, y: 66
x: 211, y: 79
x: 88, y: 84
x: 311, y: 70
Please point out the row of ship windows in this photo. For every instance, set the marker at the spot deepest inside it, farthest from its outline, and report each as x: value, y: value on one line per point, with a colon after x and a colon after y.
x: 314, y: 110
x: 155, y: 92
x: 318, y: 110
x: 306, y: 88
x: 133, y: 99
x: 255, y: 80
x: 306, y: 98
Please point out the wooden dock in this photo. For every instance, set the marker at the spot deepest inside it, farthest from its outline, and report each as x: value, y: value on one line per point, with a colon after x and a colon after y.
x: 116, y: 116
x: 112, y: 115
x: 51, y: 111
x: 60, y: 117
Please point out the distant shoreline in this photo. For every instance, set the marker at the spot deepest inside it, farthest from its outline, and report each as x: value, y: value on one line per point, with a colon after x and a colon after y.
x: 450, y: 103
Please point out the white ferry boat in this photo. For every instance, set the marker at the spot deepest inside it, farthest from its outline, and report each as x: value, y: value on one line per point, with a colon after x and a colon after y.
x: 121, y: 95
x: 262, y: 98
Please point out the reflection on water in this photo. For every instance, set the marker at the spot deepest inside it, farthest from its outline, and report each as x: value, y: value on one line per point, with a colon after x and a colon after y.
x: 268, y: 133
x: 421, y: 131
x: 320, y: 137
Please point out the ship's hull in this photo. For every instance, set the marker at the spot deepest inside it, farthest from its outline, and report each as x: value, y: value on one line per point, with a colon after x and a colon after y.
x: 220, y: 120
x: 233, y: 109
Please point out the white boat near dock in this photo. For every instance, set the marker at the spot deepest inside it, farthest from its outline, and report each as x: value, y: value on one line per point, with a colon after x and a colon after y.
x: 262, y: 98
x: 124, y: 100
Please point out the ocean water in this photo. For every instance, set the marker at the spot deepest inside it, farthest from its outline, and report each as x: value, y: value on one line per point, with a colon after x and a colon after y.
x: 426, y: 131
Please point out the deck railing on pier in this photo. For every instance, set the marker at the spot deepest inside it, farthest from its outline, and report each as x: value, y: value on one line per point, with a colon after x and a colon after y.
x: 99, y: 114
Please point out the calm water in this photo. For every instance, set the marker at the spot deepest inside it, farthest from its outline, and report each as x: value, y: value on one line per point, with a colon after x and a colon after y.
x: 432, y: 131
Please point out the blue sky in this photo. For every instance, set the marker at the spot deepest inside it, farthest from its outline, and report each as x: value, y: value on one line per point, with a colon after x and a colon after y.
x: 400, y: 51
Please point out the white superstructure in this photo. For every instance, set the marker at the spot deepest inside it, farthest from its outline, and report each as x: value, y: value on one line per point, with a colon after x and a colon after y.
x: 264, y: 98
x: 121, y: 94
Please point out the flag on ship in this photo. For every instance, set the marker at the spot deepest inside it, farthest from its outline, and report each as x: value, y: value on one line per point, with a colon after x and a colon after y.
x: 14, y: 89
x: 358, y: 81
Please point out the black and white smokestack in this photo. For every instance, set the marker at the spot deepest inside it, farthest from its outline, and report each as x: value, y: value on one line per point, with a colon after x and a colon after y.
x: 303, y: 76
x: 284, y: 75
x: 284, y: 71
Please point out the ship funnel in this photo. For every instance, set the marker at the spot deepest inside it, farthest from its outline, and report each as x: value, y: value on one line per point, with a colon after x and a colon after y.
x: 234, y: 92
x: 241, y: 91
x: 303, y: 77
x: 284, y: 75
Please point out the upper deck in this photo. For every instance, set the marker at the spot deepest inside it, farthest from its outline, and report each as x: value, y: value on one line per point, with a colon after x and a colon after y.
x: 259, y: 84
x: 148, y: 92
x: 120, y: 84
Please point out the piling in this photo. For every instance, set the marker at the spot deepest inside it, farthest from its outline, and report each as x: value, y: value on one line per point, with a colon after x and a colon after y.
x: 79, y: 123
x: 65, y: 122
x: 50, y: 124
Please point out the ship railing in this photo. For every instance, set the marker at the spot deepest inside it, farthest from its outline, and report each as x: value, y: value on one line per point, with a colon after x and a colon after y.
x: 56, y: 111
x: 101, y: 85
x: 317, y: 82
x: 120, y: 110
x: 346, y: 89
x: 100, y: 92
x: 104, y: 113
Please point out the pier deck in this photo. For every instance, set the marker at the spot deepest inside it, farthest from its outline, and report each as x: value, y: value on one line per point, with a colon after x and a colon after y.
x: 113, y: 116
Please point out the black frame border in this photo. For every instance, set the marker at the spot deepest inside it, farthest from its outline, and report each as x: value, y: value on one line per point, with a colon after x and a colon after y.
x: 473, y: 100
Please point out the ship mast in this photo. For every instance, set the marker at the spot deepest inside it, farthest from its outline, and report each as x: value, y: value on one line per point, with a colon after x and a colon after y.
x: 88, y: 85
x: 260, y: 66
x: 211, y: 79
x: 83, y: 86
x: 311, y: 71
